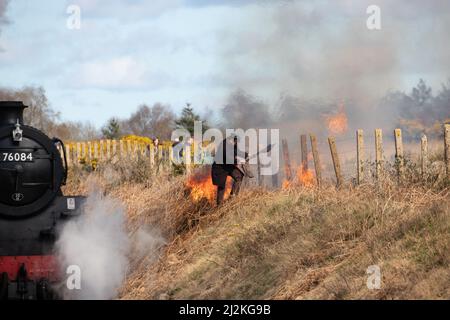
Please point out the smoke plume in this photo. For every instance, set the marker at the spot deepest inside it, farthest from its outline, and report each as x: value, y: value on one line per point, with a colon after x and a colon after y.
x: 244, y: 111
x: 3, y: 19
x: 3, y: 6
x: 318, y: 56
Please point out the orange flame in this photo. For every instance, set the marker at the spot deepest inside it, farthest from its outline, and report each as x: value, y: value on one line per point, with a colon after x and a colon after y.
x: 201, y: 187
x: 305, y: 177
x: 286, y: 184
x: 338, y: 123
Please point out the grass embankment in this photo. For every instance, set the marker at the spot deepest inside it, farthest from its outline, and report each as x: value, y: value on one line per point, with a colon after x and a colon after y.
x: 299, y: 243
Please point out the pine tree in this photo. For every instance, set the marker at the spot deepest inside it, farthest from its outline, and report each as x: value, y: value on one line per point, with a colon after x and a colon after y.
x: 187, y: 119
x: 112, y: 129
x: 422, y: 94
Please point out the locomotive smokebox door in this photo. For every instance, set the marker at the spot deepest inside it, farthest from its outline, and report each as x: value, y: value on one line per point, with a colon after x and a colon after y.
x: 31, y: 167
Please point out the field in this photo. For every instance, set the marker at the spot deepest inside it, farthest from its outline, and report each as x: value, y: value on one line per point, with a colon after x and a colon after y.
x: 299, y: 242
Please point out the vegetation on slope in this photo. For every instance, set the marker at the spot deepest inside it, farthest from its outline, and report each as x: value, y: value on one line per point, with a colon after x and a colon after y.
x: 300, y: 243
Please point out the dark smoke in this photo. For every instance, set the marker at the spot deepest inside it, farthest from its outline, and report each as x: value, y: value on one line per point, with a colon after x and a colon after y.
x: 3, y: 19
x: 3, y: 6
x: 316, y: 57
x: 244, y: 111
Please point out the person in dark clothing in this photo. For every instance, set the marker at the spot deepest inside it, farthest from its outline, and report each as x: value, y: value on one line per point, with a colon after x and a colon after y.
x: 227, y: 164
x: 219, y: 178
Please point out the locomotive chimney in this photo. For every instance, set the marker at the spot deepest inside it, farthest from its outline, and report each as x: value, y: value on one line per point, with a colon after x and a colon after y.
x: 10, y: 112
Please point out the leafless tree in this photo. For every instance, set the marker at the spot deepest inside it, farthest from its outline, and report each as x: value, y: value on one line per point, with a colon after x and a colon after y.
x: 39, y: 114
x: 157, y: 120
x: 76, y: 131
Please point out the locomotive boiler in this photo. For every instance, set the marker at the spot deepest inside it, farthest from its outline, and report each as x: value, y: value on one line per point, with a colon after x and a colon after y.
x: 33, y: 208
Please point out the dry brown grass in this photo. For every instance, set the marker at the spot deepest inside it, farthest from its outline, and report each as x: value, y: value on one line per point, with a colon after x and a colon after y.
x: 300, y: 243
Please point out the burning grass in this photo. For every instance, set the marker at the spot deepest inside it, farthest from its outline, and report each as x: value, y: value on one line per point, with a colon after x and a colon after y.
x: 304, y: 177
x: 297, y: 243
x: 200, y: 186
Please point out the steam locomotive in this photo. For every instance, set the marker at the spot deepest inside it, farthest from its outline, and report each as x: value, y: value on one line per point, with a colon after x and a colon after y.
x: 32, y: 206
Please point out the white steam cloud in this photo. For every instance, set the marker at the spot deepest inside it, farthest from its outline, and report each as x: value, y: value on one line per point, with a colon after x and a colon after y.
x: 146, y: 243
x: 99, y: 244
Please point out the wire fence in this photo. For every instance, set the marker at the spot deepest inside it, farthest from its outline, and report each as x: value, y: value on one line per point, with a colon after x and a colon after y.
x: 349, y: 156
x: 342, y: 158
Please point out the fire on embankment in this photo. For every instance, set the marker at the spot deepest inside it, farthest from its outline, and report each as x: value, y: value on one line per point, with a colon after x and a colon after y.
x: 200, y: 186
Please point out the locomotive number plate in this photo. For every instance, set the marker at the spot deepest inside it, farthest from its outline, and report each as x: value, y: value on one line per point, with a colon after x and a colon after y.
x: 16, y: 157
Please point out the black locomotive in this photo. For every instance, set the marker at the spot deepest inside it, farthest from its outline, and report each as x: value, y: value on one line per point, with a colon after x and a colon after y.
x: 32, y: 206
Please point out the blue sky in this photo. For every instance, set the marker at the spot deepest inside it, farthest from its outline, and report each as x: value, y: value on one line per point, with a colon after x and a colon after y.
x: 175, y: 51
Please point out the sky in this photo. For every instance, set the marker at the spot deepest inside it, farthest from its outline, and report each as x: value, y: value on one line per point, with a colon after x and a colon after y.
x: 129, y: 52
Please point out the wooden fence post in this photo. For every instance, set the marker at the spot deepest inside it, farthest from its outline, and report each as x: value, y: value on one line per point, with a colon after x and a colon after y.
x: 101, y: 153
x: 447, y: 148
x: 336, y: 162
x: 95, y: 150
x: 274, y: 175
x: 258, y: 172
x: 128, y: 149
x: 122, y: 149
x: 108, y: 149
x: 160, y: 152
x: 114, y: 148
x: 152, y: 155
x: 72, y: 151
x: 169, y: 158
x: 378, y: 152
x: 140, y: 150
x: 275, y: 180
x: 135, y: 150
x: 79, y: 155
x: 89, y: 155
x: 317, y: 165
x: 75, y: 153
x: 69, y: 159
x: 424, y: 155
x: 187, y: 159
x: 399, y: 159
x: 304, y: 152
x: 84, y: 151
x: 287, y: 162
x: 160, y: 163
x: 360, y: 156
